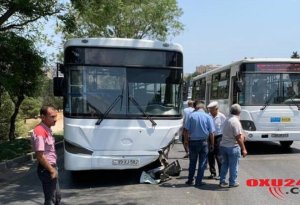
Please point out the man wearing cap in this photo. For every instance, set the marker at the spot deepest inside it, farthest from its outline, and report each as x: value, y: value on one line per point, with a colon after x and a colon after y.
x: 200, y: 127
x: 214, y: 155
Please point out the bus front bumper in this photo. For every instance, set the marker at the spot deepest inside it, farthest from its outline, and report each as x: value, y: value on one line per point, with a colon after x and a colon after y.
x: 77, y: 162
x: 272, y: 136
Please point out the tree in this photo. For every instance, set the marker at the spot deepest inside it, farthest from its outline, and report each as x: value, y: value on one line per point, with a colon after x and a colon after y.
x: 30, y: 108
x: 156, y: 19
x: 295, y: 55
x: 20, y: 71
x: 17, y: 14
x: 18, y: 79
x: 48, y: 95
x: 6, y: 109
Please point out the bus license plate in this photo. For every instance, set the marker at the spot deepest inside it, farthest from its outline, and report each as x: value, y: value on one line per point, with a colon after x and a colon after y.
x: 126, y: 162
x: 280, y: 135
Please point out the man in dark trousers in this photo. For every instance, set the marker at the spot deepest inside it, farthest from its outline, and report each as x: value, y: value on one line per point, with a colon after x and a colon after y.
x: 214, y: 155
x: 200, y: 127
x: 43, y: 144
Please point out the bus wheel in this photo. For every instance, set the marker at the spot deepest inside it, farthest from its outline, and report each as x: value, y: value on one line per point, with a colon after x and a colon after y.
x: 286, y: 144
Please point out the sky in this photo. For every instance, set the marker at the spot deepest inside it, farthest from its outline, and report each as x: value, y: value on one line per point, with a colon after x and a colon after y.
x: 218, y: 32
x: 223, y: 31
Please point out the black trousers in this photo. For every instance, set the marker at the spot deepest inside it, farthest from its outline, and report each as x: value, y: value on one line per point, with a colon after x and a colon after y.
x: 50, y: 186
x: 215, y: 156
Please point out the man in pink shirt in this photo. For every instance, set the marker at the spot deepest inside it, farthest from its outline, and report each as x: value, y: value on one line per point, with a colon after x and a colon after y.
x: 43, y: 144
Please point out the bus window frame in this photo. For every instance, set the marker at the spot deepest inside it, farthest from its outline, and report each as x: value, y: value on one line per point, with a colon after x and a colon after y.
x: 217, y: 90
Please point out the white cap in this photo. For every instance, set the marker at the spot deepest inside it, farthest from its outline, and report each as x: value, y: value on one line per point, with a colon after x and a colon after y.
x: 213, y: 104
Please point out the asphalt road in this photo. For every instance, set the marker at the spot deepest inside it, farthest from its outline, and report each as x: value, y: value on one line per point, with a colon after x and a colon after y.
x: 266, y: 163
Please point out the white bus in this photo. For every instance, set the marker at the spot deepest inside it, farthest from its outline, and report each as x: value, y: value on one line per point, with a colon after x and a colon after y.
x: 122, y: 101
x: 268, y: 91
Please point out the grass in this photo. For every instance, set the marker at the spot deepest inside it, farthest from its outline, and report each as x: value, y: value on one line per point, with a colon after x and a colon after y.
x: 20, y: 147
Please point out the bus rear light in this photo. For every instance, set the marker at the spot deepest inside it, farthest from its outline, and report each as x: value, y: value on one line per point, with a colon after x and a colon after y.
x: 76, y: 149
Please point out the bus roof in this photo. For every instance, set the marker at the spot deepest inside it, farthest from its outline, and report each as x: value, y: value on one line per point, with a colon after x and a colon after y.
x: 249, y: 60
x: 265, y: 60
x: 123, y: 43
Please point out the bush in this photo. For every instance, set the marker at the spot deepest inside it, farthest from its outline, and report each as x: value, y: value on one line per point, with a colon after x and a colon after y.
x: 6, y: 110
x: 19, y: 147
x: 11, y: 150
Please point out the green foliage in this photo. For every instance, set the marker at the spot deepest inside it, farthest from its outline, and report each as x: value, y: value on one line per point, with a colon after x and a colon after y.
x: 20, y: 66
x: 20, y: 71
x: 10, y: 150
x: 295, y: 55
x: 27, y: 18
x: 156, y: 19
x: 17, y: 14
x: 30, y: 107
x: 48, y: 95
x: 19, y: 147
x: 6, y: 109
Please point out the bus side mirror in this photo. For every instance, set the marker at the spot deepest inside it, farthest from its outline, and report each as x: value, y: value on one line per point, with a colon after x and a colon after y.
x: 58, y: 86
x: 238, y: 86
x: 60, y: 67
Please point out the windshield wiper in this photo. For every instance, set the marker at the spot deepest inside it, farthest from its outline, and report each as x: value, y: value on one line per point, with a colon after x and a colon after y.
x: 269, y: 100
x: 109, y: 109
x: 96, y: 109
x: 142, y: 111
x: 295, y: 103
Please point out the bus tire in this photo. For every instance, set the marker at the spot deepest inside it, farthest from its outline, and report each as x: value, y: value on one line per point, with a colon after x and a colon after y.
x: 286, y: 144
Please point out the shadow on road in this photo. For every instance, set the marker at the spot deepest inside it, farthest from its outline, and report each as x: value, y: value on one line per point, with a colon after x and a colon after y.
x: 101, y: 178
x: 260, y: 148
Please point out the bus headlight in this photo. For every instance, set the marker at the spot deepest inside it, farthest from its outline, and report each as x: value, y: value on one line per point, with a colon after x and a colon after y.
x: 76, y: 149
x: 248, y: 125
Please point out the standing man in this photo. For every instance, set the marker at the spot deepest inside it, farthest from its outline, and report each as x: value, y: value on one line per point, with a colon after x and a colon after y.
x: 43, y: 144
x: 230, y: 147
x: 186, y: 112
x: 199, y: 127
x: 214, y: 155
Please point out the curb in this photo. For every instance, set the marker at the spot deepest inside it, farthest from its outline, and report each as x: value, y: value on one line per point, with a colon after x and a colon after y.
x: 8, y: 164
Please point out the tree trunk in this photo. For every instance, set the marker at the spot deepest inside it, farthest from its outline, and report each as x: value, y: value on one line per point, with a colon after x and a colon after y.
x: 13, y: 118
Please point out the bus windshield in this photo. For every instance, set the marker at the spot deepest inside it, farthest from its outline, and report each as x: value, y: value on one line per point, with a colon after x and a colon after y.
x: 92, y: 90
x: 270, y: 89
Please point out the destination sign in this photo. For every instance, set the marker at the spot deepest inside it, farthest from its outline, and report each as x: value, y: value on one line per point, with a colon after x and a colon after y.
x: 278, y: 67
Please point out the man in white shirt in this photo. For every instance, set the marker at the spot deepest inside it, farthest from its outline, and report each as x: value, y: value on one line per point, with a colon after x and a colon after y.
x: 214, y: 155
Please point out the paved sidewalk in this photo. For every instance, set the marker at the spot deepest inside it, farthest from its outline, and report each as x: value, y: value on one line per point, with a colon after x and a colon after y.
x: 12, y: 174
x: 22, y: 166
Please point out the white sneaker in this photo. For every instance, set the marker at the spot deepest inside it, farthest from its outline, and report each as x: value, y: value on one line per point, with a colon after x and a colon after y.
x: 223, y: 185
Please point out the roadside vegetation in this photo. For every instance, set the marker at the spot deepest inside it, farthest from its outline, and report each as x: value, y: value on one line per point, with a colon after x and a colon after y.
x: 27, y: 71
x: 19, y: 147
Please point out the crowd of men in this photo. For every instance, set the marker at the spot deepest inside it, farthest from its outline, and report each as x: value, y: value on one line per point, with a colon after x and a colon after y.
x: 206, y: 137
x: 209, y: 137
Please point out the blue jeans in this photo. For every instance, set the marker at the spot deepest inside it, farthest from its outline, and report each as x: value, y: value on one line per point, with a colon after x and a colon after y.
x: 50, y: 187
x: 197, y: 150
x: 230, y: 157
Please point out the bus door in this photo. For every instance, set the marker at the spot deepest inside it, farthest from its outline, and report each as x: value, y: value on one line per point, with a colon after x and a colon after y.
x: 236, y: 88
